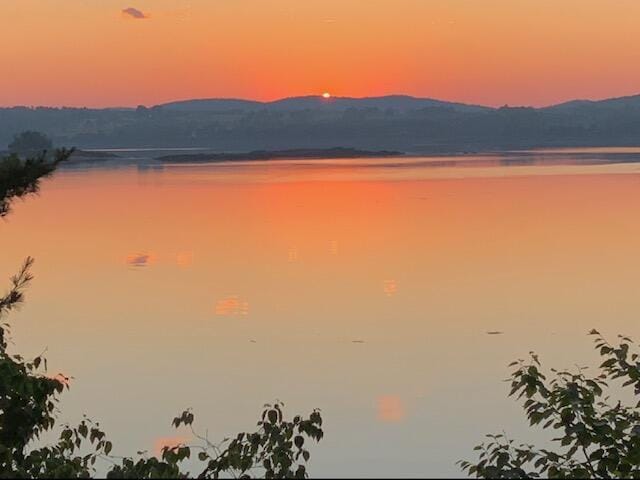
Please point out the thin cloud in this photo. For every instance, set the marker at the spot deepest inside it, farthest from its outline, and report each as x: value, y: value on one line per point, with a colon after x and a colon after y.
x: 134, y: 13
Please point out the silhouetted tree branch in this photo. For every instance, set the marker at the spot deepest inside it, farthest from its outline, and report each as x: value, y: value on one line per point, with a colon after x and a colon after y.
x: 596, y: 437
x: 20, y: 177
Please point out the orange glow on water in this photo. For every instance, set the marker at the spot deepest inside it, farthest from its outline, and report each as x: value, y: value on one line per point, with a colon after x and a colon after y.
x: 232, y: 306
x: 184, y: 259
x: 539, y: 258
x: 390, y: 409
x: 390, y: 288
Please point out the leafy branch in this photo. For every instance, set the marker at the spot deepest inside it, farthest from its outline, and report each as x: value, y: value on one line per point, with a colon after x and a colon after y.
x: 597, y: 437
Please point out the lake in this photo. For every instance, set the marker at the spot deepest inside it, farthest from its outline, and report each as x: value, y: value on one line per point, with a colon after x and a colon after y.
x: 365, y: 288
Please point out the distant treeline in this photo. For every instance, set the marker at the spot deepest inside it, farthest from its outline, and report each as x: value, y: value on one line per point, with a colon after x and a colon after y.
x: 390, y: 123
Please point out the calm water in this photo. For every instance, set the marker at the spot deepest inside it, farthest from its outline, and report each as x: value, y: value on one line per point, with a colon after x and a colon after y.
x: 366, y: 291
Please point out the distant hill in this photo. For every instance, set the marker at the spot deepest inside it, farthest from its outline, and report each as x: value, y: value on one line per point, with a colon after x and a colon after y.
x: 395, y: 102
x: 394, y: 123
x: 211, y: 104
x: 592, y: 106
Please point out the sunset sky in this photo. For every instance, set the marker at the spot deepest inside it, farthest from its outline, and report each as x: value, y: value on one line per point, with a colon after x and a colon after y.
x: 129, y: 52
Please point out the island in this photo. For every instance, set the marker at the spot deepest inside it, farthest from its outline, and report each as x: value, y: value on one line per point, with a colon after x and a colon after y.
x: 300, y: 153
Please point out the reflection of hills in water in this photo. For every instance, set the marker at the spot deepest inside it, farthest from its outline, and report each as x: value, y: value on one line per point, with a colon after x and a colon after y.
x: 481, y: 163
x: 503, y: 159
x: 571, y: 157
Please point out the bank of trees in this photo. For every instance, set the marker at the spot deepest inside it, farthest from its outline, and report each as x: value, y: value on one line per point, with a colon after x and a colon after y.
x: 30, y: 143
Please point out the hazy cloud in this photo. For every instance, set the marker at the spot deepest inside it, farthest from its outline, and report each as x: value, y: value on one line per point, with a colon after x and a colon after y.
x: 134, y: 13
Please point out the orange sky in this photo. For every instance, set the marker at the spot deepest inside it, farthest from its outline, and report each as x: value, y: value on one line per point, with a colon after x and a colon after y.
x: 89, y: 53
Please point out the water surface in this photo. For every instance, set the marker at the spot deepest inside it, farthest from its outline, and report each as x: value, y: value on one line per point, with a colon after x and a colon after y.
x: 364, y: 290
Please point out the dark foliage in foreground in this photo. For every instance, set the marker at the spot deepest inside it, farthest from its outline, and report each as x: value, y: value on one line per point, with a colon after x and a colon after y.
x: 29, y: 399
x: 597, y: 437
x: 20, y: 177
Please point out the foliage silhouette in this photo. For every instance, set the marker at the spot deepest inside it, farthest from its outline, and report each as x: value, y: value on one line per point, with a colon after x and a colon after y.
x: 29, y: 401
x: 20, y: 177
x: 597, y: 436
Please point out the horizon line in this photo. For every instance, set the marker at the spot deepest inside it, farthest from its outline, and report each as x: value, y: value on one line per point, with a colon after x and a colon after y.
x: 319, y: 96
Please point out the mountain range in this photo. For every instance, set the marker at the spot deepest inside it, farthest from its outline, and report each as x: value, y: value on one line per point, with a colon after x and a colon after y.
x: 395, y: 122
x: 397, y: 102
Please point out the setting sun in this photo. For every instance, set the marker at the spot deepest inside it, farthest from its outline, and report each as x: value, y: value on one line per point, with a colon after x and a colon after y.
x: 326, y: 95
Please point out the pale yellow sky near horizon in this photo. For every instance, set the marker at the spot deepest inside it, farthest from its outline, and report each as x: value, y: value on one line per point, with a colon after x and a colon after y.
x: 532, y: 52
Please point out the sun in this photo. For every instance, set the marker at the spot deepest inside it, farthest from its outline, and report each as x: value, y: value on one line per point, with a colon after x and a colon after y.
x: 326, y: 95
